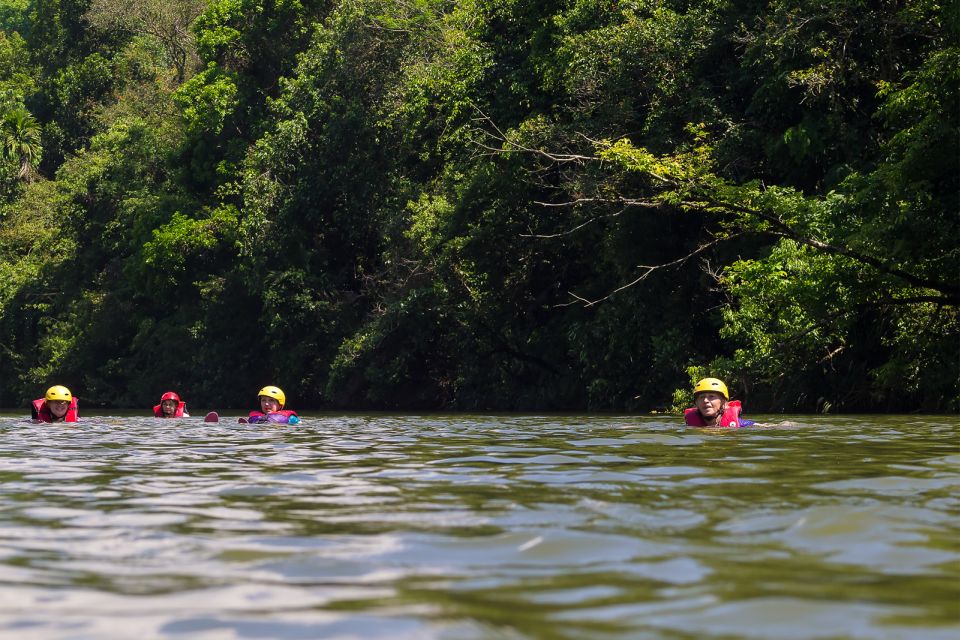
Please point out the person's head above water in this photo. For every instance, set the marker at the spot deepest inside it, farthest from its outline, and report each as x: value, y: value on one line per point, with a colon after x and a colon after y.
x: 710, y: 396
x: 713, y: 406
x: 271, y: 399
x: 169, y: 403
x: 58, y: 400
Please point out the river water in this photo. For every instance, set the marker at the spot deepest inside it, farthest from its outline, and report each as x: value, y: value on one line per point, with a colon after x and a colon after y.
x: 480, y: 526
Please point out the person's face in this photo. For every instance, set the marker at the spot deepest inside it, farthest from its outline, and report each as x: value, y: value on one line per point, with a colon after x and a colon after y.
x: 268, y: 404
x: 58, y: 408
x: 169, y: 407
x: 710, y: 404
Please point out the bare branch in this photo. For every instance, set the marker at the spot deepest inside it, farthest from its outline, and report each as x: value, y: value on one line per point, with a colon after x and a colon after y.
x: 624, y: 201
x: 165, y: 20
x: 647, y: 270
x: 569, y: 203
x: 515, y: 146
x: 629, y: 202
x: 830, y: 355
x: 549, y: 236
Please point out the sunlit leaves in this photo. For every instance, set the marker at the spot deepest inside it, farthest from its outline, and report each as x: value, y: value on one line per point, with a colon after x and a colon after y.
x: 779, y: 302
x: 17, y: 75
x: 184, y: 238
x: 208, y: 100
x: 635, y: 58
x: 20, y: 140
x: 412, y: 200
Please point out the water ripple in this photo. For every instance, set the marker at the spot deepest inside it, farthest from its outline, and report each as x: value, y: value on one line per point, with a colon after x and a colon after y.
x: 480, y: 526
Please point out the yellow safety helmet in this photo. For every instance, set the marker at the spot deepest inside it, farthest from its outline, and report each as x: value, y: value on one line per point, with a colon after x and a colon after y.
x: 274, y: 392
x: 711, y: 384
x: 58, y: 392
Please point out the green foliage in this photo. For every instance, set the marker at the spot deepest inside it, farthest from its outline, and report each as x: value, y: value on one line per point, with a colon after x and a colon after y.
x: 35, y: 246
x: 13, y: 15
x: 255, y: 37
x: 488, y: 204
x: 17, y: 80
x: 822, y: 61
x: 633, y: 63
x: 69, y: 103
x: 175, y: 243
x: 217, y: 38
x: 164, y: 22
x: 208, y: 100
x: 20, y: 138
x: 778, y: 312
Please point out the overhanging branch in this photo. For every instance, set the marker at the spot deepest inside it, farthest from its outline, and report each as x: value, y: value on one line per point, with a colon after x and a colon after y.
x: 704, y: 202
x: 646, y: 270
x: 952, y: 292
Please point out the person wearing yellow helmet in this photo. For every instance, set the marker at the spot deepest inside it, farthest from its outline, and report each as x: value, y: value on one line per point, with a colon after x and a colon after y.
x: 713, y: 406
x: 272, y: 399
x: 56, y: 405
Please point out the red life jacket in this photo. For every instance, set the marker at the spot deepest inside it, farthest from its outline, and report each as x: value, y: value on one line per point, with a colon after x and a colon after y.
x: 158, y: 410
x: 42, y: 412
x: 730, y: 417
x: 282, y: 416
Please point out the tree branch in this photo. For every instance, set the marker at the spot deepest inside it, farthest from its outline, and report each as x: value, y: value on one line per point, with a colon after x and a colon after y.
x: 952, y: 292
x: 647, y: 270
x: 502, y: 137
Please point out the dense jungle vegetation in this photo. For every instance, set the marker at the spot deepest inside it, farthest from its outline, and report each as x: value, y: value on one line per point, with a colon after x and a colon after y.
x: 483, y: 204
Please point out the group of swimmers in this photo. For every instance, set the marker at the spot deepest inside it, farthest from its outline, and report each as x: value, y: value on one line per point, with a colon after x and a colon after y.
x: 711, y: 399
x: 59, y: 405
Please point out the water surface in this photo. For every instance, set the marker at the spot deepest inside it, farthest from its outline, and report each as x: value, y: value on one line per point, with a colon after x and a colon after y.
x: 479, y: 526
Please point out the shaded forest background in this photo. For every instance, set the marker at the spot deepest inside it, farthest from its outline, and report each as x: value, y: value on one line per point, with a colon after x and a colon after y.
x: 481, y: 205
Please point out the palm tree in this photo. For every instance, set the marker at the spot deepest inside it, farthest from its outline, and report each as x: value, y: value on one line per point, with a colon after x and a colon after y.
x: 20, y: 140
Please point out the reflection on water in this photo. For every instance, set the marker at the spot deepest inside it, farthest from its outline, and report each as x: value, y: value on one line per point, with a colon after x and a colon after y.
x: 480, y: 527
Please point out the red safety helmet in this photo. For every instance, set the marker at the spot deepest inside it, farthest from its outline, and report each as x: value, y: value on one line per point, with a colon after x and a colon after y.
x: 169, y: 395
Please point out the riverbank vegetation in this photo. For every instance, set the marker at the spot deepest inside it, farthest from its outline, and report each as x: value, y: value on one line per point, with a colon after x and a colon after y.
x: 484, y: 204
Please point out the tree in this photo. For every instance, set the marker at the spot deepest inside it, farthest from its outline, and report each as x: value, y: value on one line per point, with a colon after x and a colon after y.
x: 891, y: 285
x: 21, y: 141
x: 167, y: 21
